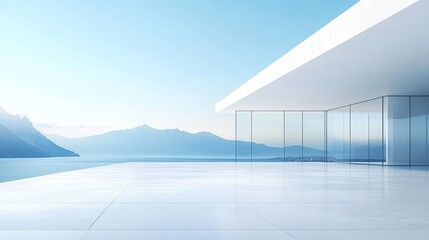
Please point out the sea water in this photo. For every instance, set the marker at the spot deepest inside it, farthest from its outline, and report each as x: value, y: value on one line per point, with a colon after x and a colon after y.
x: 19, y: 168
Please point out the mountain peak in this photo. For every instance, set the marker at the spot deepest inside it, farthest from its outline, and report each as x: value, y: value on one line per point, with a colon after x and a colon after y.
x: 28, y: 141
x: 3, y: 111
x: 144, y: 127
x: 147, y: 127
x: 206, y: 133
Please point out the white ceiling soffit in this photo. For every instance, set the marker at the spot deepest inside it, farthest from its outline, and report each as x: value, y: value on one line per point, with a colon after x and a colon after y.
x: 376, y: 48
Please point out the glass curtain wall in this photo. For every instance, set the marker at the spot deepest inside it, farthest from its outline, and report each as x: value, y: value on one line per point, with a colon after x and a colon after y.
x: 392, y: 128
x: 407, y: 128
x: 338, y: 135
x: 367, y: 132
x: 375, y: 124
x: 313, y: 137
x: 355, y: 133
x: 293, y: 136
x: 359, y: 134
x: 267, y: 136
x: 243, y: 132
x: 397, y: 129
x: 419, y: 130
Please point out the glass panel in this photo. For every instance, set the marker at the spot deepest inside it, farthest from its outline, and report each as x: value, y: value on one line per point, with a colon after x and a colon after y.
x: 293, y: 133
x: 397, y: 130
x: 375, y: 109
x: 314, y: 136
x: 359, y: 134
x: 419, y: 106
x: 268, y: 136
x: 243, y: 131
x: 427, y: 132
x: 367, y: 132
x: 338, y: 135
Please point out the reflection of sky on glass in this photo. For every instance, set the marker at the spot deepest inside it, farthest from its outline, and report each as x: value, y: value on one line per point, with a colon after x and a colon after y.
x: 268, y: 128
x: 314, y: 129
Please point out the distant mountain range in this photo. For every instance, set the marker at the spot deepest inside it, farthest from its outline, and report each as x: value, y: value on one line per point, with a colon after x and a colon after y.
x: 18, y: 138
x: 144, y: 140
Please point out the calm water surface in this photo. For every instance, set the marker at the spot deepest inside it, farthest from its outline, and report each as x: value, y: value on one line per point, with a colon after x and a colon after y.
x: 19, y: 168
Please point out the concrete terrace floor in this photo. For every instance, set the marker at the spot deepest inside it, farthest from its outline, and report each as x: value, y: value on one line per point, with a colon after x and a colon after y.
x: 267, y: 201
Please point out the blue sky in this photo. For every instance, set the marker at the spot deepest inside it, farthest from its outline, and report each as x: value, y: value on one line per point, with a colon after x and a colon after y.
x: 78, y: 68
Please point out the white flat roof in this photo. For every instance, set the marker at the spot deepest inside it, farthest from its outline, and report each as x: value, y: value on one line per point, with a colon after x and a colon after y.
x: 375, y: 48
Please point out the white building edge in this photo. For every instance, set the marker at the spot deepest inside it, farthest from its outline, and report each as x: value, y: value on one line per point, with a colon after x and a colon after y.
x: 375, y: 49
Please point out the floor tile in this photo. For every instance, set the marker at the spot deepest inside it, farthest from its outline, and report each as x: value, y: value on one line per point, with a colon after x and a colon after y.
x: 34, y: 216
x: 219, y: 201
x: 180, y: 216
x: 41, y: 234
x: 201, y: 196
x: 331, y: 216
x: 360, y: 234
x: 187, y: 235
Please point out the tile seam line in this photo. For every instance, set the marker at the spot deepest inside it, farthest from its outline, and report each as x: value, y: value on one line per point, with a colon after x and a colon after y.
x: 288, y: 234
x: 101, y: 214
x: 278, y: 228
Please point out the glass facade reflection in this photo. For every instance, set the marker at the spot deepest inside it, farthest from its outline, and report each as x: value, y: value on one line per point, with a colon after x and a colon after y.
x: 313, y: 137
x: 419, y: 130
x: 293, y: 137
x: 397, y: 129
x: 243, y: 131
x: 267, y: 136
x: 390, y: 130
x: 338, y: 135
x: 366, y: 132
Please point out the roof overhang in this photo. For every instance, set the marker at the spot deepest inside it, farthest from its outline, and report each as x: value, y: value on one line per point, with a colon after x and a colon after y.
x: 375, y: 48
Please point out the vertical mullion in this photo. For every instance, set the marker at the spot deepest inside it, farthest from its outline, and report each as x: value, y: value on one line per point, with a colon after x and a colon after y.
x: 251, y: 136
x: 426, y: 130
x: 409, y: 130
x: 235, y: 135
x: 383, y: 154
x: 369, y: 138
x: 284, y: 136
x: 302, y: 136
x: 326, y: 134
x: 350, y: 134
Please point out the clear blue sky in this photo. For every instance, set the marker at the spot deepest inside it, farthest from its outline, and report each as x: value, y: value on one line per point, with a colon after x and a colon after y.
x: 78, y: 68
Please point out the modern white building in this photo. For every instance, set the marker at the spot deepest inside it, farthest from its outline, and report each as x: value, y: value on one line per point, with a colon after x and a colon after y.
x: 357, y: 90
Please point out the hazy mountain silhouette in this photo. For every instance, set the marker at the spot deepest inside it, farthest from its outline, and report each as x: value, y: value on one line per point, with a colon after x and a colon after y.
x: 18, y: 138
x: 144, y: 140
